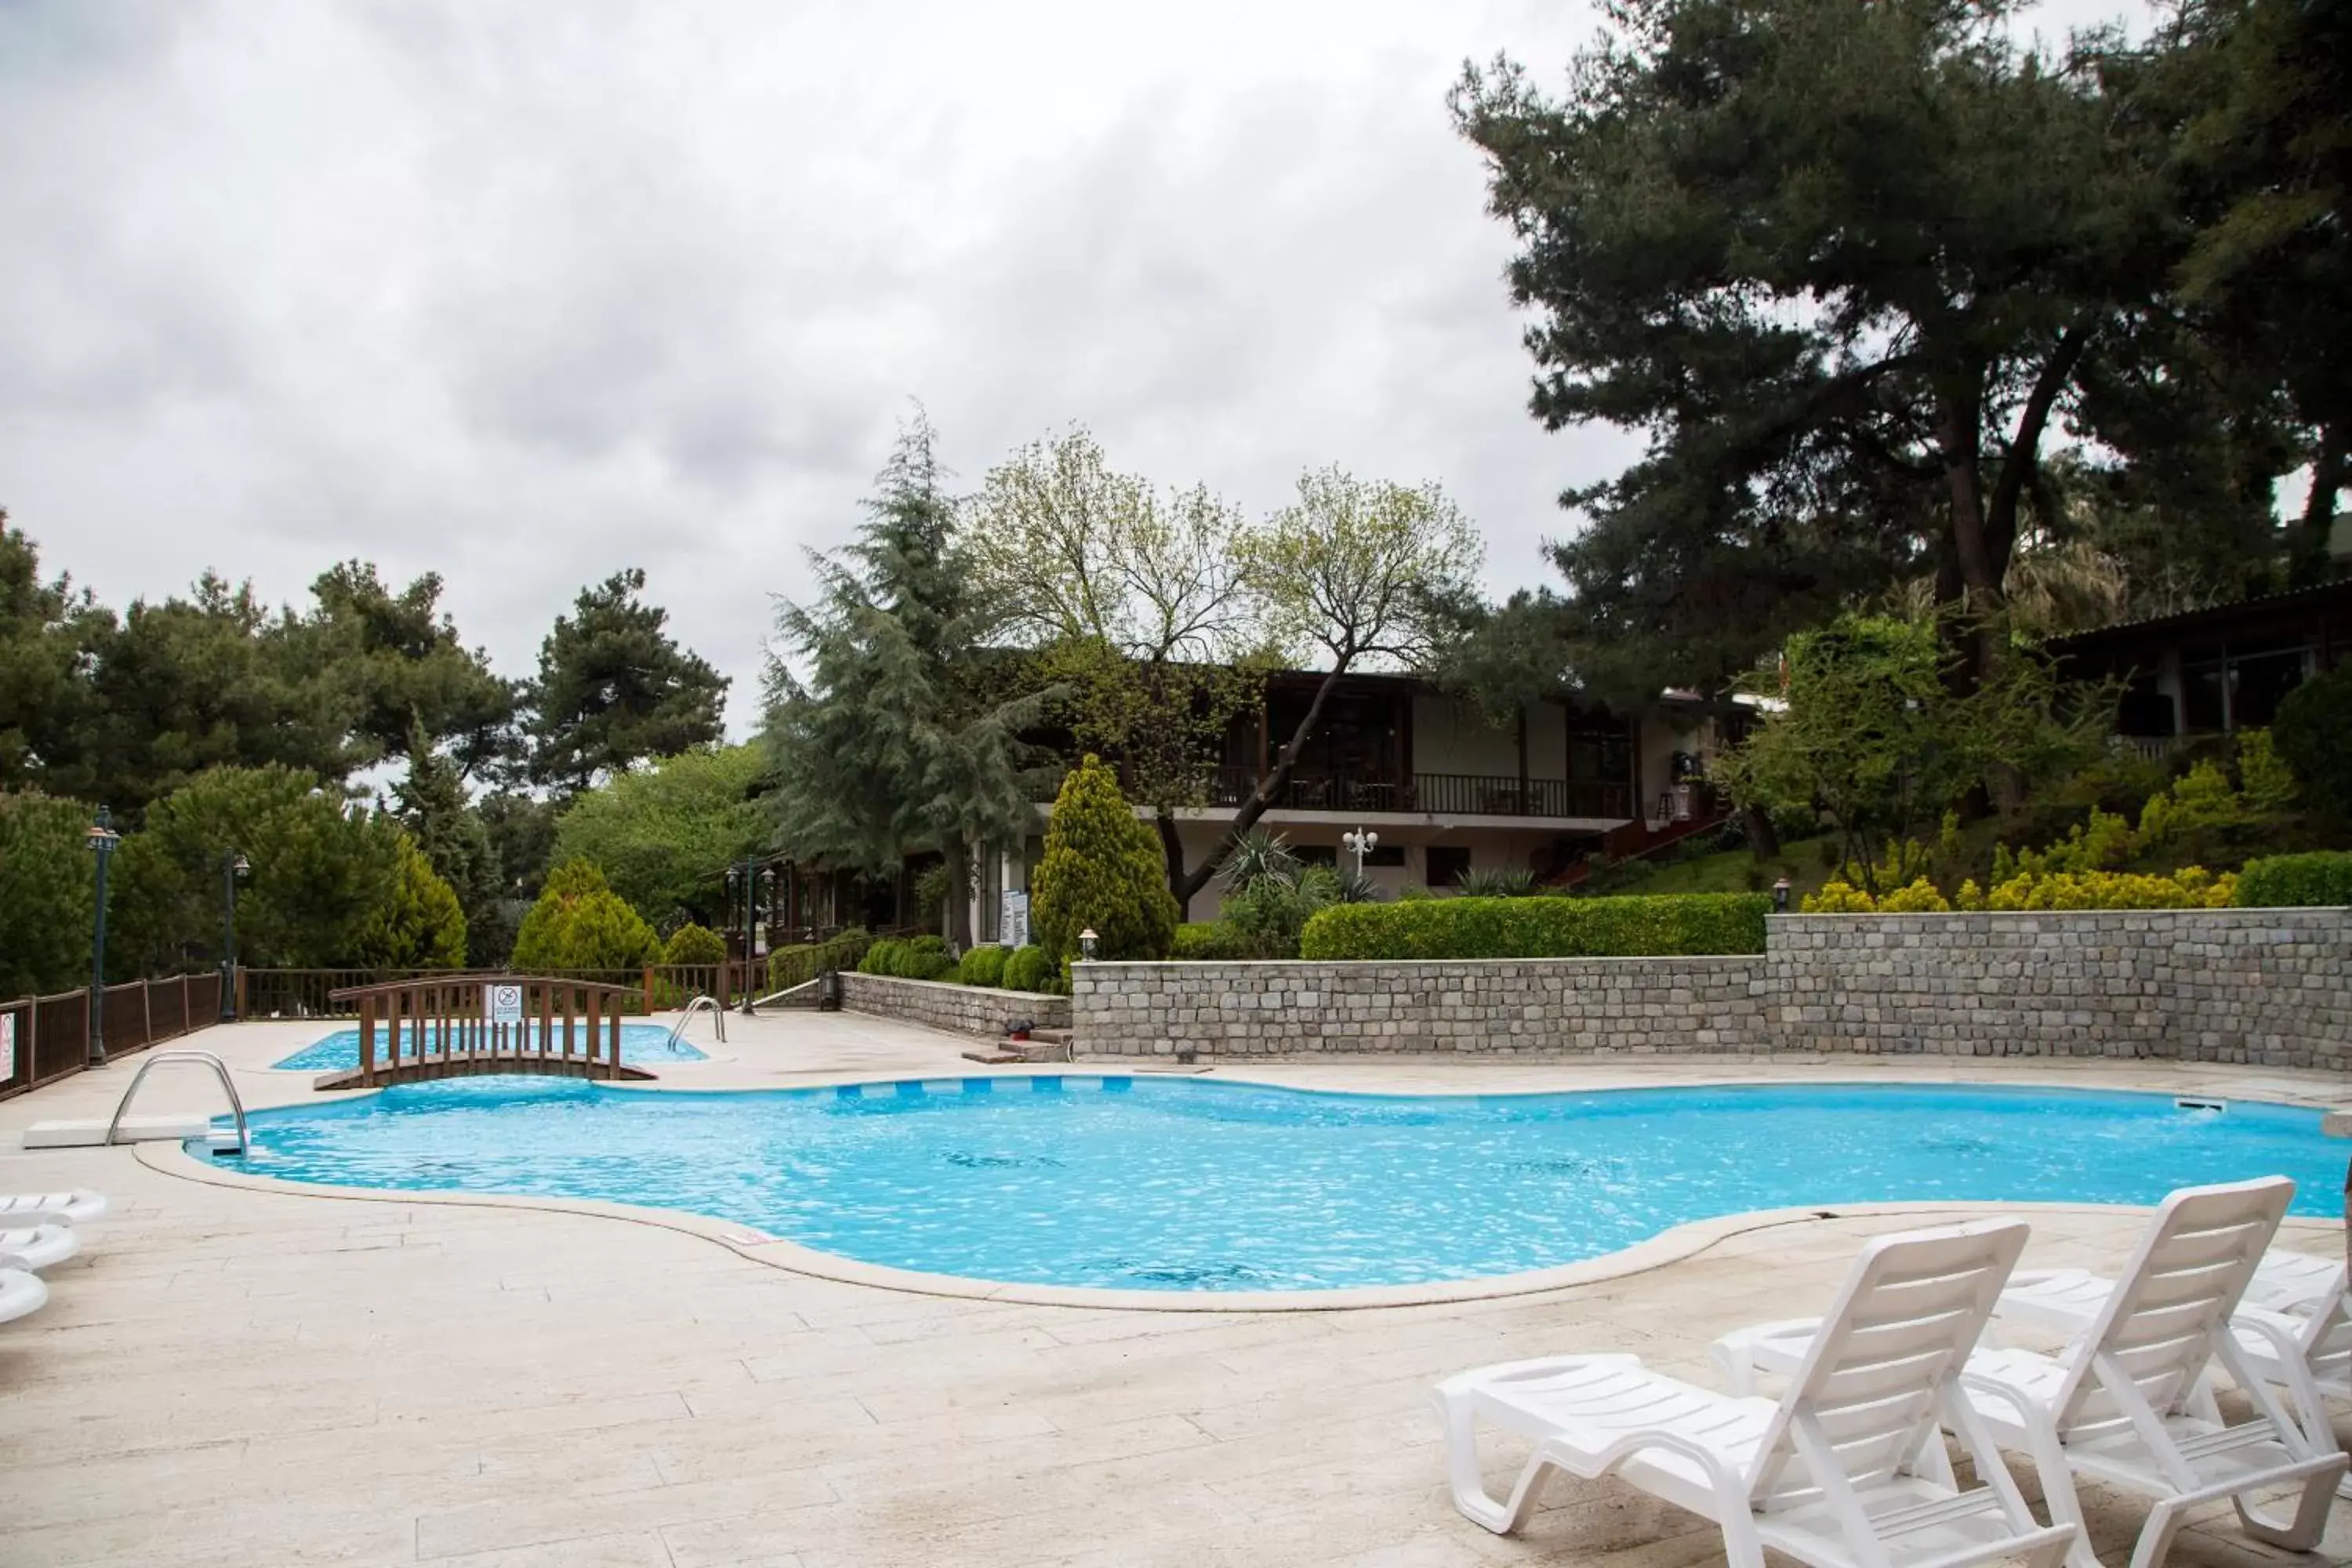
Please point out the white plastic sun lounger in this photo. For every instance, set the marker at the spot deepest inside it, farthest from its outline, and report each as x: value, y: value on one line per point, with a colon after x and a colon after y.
x: 2068, y: 1300
x: 1846, y: 1471
x: 2127, y: 1403
x: 78, y: 1206
x: 20, y: 1292
x: 37, y: 1247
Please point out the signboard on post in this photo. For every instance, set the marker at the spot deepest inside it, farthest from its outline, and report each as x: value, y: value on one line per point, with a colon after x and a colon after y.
x: 7, y: 1045
x: 1014, y: 924
x: 503, y: 1003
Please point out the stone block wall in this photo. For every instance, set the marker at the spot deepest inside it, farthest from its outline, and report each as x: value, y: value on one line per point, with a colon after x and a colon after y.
x: 2269, y: 986
x: 941, y: 1005
x: 1488, y: 1007
x: 2266, y: 986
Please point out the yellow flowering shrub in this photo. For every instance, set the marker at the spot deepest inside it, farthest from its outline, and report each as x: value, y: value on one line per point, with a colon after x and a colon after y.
x: 1921, y: 898
x: 2191, y: 887
x: 1838, y: 898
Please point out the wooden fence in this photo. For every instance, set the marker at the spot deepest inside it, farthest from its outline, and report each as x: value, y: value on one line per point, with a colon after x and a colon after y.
x: 44, y: 1038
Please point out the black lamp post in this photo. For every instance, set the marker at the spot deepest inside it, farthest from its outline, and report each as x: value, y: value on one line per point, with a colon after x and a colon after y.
x: 102, y: 839
x: 233, y: 866
x: 748, y: 874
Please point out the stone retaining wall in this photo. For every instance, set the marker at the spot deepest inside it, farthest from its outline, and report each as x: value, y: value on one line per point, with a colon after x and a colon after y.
x: 2270, y: 987
x: 961, y: 1009
x: 2266, y: 986
x: 1485, y: 1006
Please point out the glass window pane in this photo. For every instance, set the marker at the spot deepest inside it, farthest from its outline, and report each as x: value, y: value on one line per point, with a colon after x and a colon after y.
x: 2257, y: 685
x: 2202, y: 712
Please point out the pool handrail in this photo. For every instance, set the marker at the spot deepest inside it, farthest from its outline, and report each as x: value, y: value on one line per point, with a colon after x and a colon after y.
x: 160, y: 1058
x: 686, y: 1017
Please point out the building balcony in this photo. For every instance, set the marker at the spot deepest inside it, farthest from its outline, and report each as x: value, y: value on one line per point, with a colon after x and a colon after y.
x: 1434, y: 794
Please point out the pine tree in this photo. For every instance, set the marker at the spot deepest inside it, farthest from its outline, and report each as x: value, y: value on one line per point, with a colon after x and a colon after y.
x: 579, y: 922
x: 1102, y: 871
x: 420, y: 926
x: 432, y: 806
x: 899, y: 740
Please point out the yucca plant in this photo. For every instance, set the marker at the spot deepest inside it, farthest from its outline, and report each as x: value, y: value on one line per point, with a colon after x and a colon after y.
x: 1499, y: 882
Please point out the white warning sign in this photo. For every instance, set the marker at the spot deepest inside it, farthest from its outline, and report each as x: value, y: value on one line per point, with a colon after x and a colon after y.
x: 505, y: 1004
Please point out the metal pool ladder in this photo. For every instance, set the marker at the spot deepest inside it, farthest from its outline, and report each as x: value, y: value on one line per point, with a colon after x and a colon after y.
x: 718, y: 1020
x: 160, y: 1058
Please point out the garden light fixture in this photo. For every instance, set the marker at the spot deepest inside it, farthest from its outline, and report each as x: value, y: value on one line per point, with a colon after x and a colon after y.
x: 1363, y: 842
x: 233, y: 866
x: 1087, y: 939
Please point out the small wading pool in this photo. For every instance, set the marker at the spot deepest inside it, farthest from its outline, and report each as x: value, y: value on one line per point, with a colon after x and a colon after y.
x: 640, y: 1043
x: 1178, y: 1184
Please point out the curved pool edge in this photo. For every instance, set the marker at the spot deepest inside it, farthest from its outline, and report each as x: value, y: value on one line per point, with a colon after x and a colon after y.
x: 1668, y: 1247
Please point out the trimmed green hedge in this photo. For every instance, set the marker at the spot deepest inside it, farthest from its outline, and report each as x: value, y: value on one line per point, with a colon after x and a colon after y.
x: 1208, y: 941
x: 1690, y: 923
x: 803, y: 962
x: 982, y: 966
x: 2296, y: 881
x: 1027, y: 969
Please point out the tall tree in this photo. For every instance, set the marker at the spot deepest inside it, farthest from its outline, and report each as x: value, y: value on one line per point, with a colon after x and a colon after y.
x: 614, y: 688
x: 2259, y: 93
x: 665, y: 835
x: 213, y: 680
x: 44, y: 628
x: 320, y: 872
x: 1843, y: 265
x: 432, y: 805
x: 1133, y: 601
x: 396, y: 664
x: 899, y: 738
x: 1354, y: 574
x: 47, y: 885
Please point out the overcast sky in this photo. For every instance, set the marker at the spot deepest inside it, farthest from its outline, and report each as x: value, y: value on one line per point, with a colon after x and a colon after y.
x: 523, y: 291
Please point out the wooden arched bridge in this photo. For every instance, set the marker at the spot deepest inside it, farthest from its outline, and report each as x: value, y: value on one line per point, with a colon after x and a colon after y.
x: 447, y: 1027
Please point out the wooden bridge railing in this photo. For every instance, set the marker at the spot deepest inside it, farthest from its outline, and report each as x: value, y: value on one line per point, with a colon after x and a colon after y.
x: 482, y: 1023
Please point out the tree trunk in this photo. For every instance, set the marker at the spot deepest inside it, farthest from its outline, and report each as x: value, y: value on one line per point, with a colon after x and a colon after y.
x: 1269, y: 788
x: 956, y: 916
x: 1763, y: 841
x: 2307, y: 561
x: 1172, y: 848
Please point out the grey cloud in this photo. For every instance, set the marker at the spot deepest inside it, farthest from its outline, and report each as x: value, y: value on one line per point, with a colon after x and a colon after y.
x: 522, y: 293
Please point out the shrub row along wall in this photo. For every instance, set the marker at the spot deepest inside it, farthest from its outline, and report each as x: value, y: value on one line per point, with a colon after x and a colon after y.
x: 942, y: 1005
x: 2272, y: 987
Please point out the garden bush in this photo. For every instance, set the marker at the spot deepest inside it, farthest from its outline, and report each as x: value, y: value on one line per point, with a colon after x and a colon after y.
x: 887, y: 956
x: 579, y: 922
x: 420, y: 926
x: 925, y: 958
x: 2191, y: 887
x: 2296, y: 881
x: 803, y: 962
x: 1027, y: 969
x: 1209, y: 941
x: 983, y: 965
x: 1103, y: 870
x: 2313, y: 733
x: 691, y: 943
x: 1690, y: 923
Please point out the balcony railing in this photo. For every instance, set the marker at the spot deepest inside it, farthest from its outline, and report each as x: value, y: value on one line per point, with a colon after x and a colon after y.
x: 1442, y: 794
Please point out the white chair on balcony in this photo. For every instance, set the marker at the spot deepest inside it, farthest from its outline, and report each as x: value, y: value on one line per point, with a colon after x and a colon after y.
x: 1847, y: 1471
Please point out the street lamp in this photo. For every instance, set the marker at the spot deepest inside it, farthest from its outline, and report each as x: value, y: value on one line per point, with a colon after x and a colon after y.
x: 746, y: 874
x: 101, y: 838
x: 1780, y: 897
x: 1087, y: 939
x: 233, y: 866
x: 1363, y: 842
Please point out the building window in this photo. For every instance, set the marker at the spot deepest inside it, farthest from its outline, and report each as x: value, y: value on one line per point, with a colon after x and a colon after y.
x: 2239, y: 686
x: 1445, y: 865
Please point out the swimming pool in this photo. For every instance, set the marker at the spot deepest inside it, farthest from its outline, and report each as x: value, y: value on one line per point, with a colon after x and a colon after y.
x: 639, y: 1043
x: 1181, y: 1185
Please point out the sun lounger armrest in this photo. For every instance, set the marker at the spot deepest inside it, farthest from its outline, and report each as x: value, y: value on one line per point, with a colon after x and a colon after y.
x: 2284, y: 1333
x: 1730, y: 1487
x: 2033, y: 1414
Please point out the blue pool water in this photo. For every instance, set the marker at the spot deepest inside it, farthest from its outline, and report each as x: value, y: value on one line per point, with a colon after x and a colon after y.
x: 640, y: 1043
x: 1181, y: 1185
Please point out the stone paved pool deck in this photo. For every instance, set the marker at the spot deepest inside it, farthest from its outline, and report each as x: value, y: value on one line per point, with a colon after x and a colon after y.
x: 232, y: 1375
